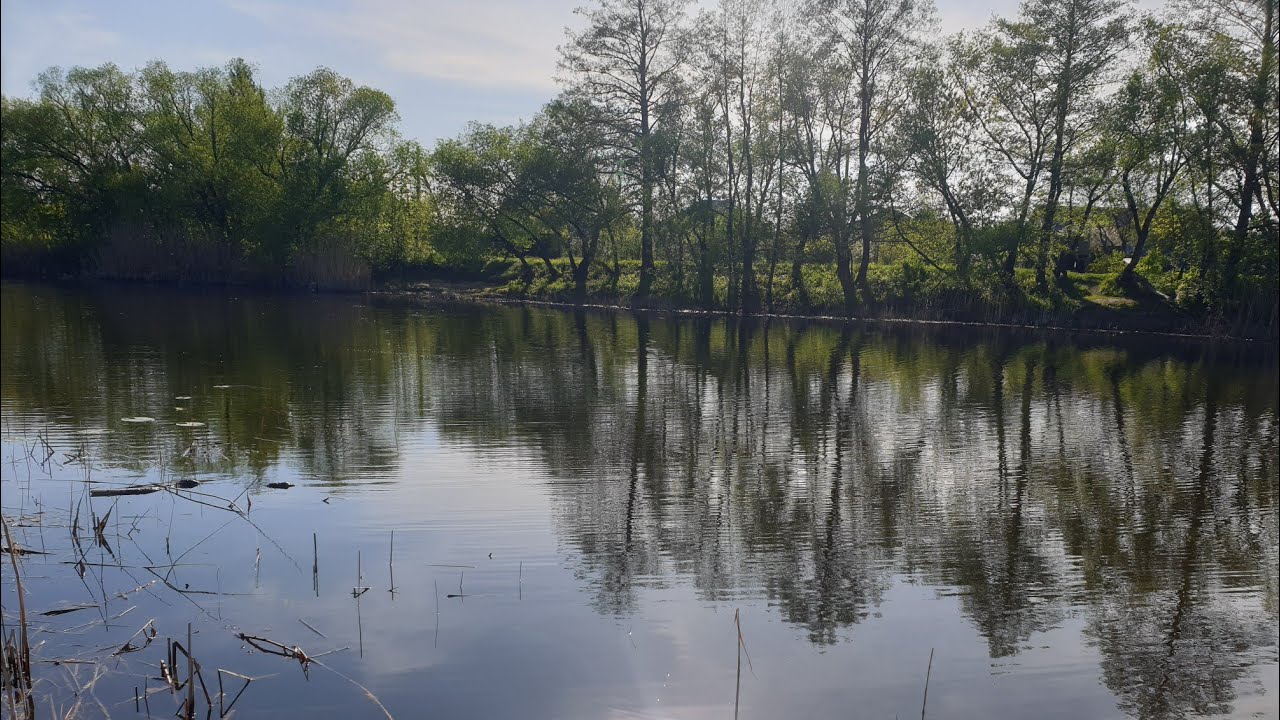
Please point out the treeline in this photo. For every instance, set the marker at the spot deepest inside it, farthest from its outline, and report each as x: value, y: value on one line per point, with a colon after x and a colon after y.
x: 207, y: 177
x: 760, y: 155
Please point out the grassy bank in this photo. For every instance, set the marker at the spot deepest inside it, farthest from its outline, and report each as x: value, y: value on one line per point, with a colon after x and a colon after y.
x: 910, y: 292
x: 904, y: 291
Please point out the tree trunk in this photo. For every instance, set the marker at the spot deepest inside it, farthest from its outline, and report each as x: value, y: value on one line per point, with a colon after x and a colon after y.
x: 1055, y: 191
x: 864, y: 185
x: 797, y: 271
x: 1253, y: 153
x: 844, y: 271
x: 646, y: 236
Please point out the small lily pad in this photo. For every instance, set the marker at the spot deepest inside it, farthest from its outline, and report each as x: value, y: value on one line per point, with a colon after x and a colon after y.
x: 138, y: 419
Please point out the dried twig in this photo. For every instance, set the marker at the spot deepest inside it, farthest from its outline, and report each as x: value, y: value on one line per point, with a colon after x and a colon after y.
x: 742, y: 650
x: 129, y: 647
x: 272, y: 647
x: 222, y: 711
x: 925, y: 700
x: 312, y: 629
x: 20, y: 657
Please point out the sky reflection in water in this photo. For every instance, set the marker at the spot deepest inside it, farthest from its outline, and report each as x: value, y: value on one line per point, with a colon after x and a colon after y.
x: 1080, y: 527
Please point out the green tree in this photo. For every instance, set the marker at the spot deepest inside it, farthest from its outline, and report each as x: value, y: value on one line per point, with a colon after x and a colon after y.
x: 628, y: 59
x: 331, y: 127
x: 878, y: 39
x: 1076, y: 42
x: 212, y: 141
x: 572, y: 171
x: 1150, y: 124
x: 938, y: 146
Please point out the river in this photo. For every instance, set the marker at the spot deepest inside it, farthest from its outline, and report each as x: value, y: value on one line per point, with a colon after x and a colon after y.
x: 534, y: 513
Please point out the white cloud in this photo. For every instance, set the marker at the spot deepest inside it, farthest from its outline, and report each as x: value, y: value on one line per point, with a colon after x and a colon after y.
x: 501, y: 45
x: 80, y: 40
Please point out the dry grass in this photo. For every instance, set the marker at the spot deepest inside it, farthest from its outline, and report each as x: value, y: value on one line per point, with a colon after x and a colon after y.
x: 17, y: 649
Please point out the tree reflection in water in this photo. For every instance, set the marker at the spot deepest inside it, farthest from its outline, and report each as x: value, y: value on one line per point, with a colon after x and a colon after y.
x: 1127, y: 482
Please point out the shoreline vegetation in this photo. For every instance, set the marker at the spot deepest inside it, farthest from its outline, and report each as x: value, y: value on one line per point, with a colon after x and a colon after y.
x: 1124, y: 319
x: 1078, y: 165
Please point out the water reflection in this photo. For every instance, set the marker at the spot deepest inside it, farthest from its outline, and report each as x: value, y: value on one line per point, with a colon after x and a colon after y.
x: 1038, y: 478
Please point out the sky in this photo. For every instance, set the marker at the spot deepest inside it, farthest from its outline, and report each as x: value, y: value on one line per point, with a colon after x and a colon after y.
x: 444, y: 62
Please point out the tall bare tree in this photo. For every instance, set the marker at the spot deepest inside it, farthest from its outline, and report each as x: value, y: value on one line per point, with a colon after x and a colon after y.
x: 1076, y: 43
x: 877, y: 38
x: 627, y: 58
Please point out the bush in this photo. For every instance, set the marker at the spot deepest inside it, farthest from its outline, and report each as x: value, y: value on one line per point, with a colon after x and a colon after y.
x: 1108, y: 264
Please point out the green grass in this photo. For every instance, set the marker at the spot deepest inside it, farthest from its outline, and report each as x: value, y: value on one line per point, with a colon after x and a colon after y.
x: 900, y: 290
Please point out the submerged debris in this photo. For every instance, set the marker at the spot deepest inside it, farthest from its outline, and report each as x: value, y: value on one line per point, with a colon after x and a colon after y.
x: 20, y: 551
x: 131, y: 490
x: 70, y: 609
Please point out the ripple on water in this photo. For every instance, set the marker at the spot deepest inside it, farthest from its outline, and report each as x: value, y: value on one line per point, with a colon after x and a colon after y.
x: 581, y: 502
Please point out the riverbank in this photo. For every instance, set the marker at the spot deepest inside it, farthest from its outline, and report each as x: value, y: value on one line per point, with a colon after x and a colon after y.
x: 899, y: 294
x: 1079, y: 302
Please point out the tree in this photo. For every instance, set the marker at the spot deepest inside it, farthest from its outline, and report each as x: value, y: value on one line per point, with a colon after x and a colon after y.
x: 877, y: 38
x: 738, y: 51
x: 87, y: 124
x: 1011, y: 98
x: 1076, y: 42
x: 330, y: 123
x: 938, y: 145
x: 213, y: 139
x: 573, y: 175
x: 817, y: 97
x: 1224, y: 56
x: 1031, y: 82
x: 627, y: 59
x: 1149, y: 123
x: 701, y: 166
x: 486, y: 193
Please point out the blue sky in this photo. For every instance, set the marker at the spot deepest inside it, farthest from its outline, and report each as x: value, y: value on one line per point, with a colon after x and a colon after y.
x: 445, y: 63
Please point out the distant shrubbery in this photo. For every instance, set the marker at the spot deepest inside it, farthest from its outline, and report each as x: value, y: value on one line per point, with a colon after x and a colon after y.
x: 206, y: 177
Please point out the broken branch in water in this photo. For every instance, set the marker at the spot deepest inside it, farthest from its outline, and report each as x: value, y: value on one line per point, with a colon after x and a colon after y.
x: 742, y: 650
x: 184, y: 590
x: 131, y: 490
x: 21, y: 551
x: 272, y: 647
x: 129, y: 647
x: 17, y: 651
x: 65, y: 610
x: 367, y: 693
x: 222, y: 711
x: 312, y: 629
x: 925, y: 700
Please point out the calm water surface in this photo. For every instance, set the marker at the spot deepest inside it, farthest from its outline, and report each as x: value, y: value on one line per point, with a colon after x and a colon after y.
x: 580, y: 503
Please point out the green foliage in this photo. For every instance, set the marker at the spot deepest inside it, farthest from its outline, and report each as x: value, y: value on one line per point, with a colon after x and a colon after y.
x: 1108, y: 264
x: 201, y: 177
x: 710, y: 162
